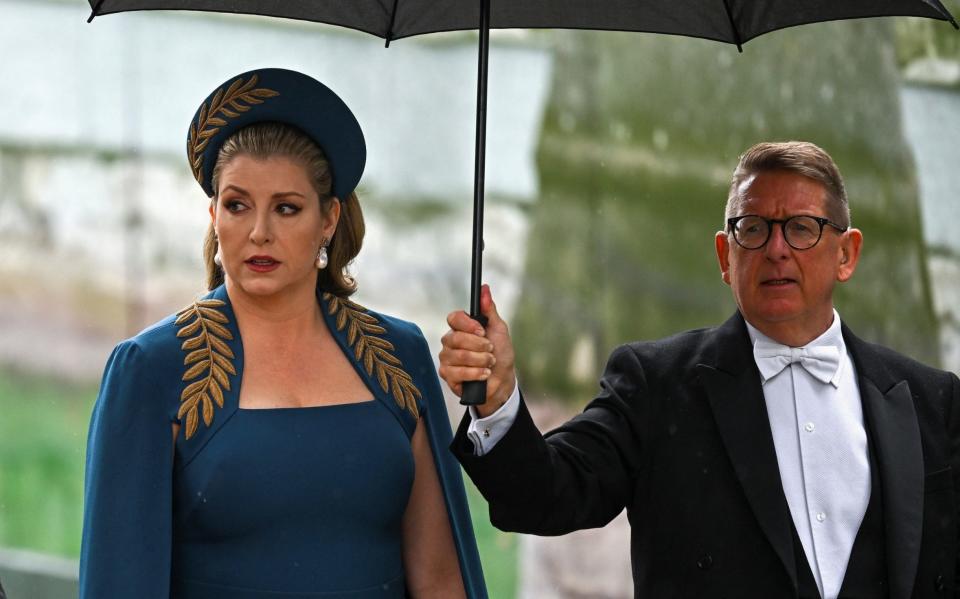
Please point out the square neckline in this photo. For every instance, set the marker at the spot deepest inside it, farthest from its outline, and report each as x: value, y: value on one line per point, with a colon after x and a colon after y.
x: 303, y: 408
x: 323, y: 320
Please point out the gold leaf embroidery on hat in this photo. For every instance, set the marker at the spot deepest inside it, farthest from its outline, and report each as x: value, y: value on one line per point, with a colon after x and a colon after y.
x: 375, y: 353
x: 238, y: 98
x: 208, y: 360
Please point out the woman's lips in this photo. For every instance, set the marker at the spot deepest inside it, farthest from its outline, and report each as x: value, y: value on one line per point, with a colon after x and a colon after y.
x: 262, y: 264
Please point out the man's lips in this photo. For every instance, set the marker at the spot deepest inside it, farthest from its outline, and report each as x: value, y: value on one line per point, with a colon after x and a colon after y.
x: 777, y: 282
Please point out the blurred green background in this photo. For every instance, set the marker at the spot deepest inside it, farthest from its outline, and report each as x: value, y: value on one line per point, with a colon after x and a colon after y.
x: 42, y: 438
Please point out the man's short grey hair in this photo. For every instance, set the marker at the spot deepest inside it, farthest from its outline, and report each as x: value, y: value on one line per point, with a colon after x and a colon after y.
x: 801, y: 157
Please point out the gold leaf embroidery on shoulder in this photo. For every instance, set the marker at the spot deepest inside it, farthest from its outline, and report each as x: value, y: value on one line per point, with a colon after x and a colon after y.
x: 228, y: 105
x: 208, y: 360
x: 375, y: 353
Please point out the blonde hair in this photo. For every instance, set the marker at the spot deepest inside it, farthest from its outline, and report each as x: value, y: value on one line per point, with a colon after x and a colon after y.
x: 265, y: 140
x: 801, y: 157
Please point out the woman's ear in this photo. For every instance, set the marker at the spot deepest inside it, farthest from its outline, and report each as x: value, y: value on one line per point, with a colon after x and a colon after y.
x: 331, y: 218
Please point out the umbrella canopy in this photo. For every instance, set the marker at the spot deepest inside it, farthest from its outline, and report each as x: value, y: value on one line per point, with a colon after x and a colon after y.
x: 730, y: 21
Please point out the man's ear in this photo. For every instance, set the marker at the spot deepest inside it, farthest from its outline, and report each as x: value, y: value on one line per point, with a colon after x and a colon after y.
x: 850, y: 245
x: 722, y: 242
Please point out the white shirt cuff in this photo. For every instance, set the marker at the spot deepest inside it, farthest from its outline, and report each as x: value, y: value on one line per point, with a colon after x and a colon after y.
x: 487, y: 432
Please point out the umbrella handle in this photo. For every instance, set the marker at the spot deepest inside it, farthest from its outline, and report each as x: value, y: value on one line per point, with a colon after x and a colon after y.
x: 475, y: 392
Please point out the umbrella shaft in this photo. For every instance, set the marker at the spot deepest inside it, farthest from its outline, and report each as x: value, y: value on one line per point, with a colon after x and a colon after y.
x: 475, y: 392
x: 480, y: 152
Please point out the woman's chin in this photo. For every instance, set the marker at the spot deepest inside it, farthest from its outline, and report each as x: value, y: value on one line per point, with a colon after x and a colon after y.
x: 272, y: 285
x: 261, y: 286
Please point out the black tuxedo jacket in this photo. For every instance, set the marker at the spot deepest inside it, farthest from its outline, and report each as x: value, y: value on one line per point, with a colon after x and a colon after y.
x: 679, y: 435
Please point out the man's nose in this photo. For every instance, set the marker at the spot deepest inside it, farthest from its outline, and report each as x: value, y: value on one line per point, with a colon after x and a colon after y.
x: 777, y: 247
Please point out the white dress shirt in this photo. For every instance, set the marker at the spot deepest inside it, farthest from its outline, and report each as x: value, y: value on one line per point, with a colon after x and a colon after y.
x: 487, y: 432
x: 821, y: 447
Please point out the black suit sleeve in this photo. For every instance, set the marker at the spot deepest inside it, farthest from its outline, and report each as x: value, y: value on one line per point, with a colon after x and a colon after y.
x: 580, y: 475
x: 953, y: 430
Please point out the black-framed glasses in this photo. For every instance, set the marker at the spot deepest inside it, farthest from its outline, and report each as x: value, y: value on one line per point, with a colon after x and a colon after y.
x: 801, y: 231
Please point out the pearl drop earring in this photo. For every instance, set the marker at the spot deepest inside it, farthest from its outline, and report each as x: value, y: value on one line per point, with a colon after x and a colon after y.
x: 322, y: 258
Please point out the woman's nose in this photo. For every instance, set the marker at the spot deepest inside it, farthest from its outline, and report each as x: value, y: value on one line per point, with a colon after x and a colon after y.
x: 261, y: 233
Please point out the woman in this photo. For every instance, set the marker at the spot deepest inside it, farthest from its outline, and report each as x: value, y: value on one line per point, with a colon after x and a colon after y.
x: 274, y: 438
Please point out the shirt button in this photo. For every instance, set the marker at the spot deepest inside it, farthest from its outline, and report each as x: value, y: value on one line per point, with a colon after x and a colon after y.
x: 821, y: 516
x: 705, y: 562
x: 486, y: 432
x: 809, y: 427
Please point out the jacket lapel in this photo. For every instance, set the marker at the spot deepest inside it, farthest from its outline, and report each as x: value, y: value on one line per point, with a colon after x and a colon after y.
x: 733, y: 387
x: 209, y: 347
x: 369, y: 344
x: 890, y: 414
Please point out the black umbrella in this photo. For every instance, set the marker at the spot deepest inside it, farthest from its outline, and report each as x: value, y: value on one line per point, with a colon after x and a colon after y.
x: 730, y: 21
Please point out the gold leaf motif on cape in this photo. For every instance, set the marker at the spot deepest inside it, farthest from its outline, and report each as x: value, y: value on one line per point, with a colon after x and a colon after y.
x: 375, y: 353
x: 208, y: 358
x: 239, y: 97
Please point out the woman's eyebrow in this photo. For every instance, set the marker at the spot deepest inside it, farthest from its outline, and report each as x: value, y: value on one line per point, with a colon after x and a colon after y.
x: 239, y: 190
x: 283, y: 194
x: 279, y: 194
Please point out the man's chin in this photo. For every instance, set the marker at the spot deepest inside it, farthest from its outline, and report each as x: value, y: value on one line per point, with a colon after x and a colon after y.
x: 775, y: 313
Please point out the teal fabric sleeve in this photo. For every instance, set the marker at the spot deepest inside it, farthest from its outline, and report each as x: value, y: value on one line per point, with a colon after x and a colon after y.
x: 128, y: 510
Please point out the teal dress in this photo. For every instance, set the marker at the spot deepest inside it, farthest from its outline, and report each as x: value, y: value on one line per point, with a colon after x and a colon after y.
x: 259, y: 504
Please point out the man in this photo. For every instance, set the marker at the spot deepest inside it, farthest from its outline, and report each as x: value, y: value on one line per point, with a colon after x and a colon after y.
x: 776, y: 455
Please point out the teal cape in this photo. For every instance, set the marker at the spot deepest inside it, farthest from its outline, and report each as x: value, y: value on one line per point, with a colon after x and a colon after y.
x: 187, y: 369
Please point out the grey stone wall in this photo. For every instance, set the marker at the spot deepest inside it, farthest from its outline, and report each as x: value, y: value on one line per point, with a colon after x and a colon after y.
x: 101, y: 222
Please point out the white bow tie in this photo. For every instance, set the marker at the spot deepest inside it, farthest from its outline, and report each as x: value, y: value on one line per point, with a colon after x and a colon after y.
x: 821, y: 361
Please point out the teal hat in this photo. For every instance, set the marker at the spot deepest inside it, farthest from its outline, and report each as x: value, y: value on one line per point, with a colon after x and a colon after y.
x: 281, y: 96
